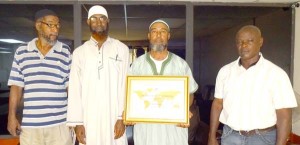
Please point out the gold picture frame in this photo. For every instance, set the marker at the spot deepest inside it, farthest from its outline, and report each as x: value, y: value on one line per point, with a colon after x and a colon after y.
x: 157, y: 99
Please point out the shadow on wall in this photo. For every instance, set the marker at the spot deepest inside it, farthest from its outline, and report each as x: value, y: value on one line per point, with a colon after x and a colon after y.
x: 3, y: 79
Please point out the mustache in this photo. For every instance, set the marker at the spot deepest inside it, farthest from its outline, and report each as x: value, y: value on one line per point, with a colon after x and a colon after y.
x: 54, y: 34
x: 100, y: 30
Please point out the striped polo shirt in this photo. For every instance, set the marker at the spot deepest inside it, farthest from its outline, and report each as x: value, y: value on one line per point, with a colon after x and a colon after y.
x: 44, y: 79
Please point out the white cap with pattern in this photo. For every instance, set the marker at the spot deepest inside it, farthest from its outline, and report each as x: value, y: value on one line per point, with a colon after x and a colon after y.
x: 97, y: 10
x: 159, y: 21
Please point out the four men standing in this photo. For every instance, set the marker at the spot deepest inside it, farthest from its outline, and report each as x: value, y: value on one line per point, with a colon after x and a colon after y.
x: 254, y: 97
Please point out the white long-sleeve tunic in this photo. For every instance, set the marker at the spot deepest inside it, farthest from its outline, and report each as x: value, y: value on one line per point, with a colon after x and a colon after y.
x: 161, y: 134
x: 97, y: 90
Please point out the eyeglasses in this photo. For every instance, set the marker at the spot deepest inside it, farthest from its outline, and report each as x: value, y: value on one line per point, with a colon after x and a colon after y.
x: 101, y: 18
x: 51, y: 25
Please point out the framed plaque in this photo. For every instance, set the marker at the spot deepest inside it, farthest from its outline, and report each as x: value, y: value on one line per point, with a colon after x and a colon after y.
x: 157, y: 99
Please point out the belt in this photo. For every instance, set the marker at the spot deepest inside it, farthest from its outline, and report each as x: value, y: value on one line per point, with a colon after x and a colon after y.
x: 256, y: 131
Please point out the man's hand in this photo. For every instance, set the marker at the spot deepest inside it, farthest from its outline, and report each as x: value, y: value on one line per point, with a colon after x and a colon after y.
x: 283, y: 124
x: 13, y: 126
x: 190, y: 114
x: 119, y: 129
x: 213, y: 141
x: 185, y: 125
x: 80, y: 133
x: 216, y: 109
x: 15, y: 97
x: 129, y: 123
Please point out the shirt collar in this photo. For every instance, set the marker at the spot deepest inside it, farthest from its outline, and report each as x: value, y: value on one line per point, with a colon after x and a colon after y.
x: 32, y: 46
x: 253, y: 64
x: 95, y: 43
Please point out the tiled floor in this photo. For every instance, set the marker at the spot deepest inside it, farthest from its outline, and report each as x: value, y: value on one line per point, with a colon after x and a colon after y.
x: 3, y: 115
x: 8, y: 140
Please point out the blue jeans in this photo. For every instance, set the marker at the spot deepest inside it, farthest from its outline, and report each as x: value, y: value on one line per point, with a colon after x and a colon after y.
x: 232, y: 137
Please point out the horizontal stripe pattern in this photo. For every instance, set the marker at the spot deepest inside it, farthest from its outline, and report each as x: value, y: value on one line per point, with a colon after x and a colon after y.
x: 46, y: 99
x: 45, y: 107
x: 44, y: 80
x: 46, y: 90
x: 38, y: 82
x: 47, y: 123
x: 43, y: 115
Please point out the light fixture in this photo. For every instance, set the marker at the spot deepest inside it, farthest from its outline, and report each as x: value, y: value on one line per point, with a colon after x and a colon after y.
x: 2, y: 48
x: 11, y: 41
x: 2, y: 52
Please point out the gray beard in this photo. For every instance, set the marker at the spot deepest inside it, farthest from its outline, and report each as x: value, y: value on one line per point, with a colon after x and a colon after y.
x: 48, y: 40
x: 158, y: 47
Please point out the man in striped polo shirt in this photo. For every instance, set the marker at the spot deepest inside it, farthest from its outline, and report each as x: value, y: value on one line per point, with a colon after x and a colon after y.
x: 40, y: 74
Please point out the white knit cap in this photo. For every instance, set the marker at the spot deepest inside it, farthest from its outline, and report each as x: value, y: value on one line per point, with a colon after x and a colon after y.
x: 159, y: 21
x: 97, y: 10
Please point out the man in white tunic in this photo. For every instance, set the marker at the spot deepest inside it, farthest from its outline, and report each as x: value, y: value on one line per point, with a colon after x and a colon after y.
x: 159, y: 61
x: 97, y: 85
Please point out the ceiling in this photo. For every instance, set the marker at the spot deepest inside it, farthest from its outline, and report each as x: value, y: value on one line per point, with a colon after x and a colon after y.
x: 130, y: 22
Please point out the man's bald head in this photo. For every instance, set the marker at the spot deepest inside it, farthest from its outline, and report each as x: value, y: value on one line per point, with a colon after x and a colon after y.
x: 250, y: 28
x: 249, y: 42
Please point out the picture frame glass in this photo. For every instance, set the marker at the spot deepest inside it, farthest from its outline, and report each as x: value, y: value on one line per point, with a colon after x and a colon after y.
x: 157, y: 99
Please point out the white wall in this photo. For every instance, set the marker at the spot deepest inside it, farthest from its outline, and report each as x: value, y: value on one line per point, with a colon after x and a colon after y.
x: 296, y: 73
x: 296, y: 76
x: 276, y: 30
x: 218, y: 50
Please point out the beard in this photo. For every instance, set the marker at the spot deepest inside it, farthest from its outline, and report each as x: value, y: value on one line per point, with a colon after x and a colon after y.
x: 100, y: 30
x: 158, y: 47
x: 48, y: 38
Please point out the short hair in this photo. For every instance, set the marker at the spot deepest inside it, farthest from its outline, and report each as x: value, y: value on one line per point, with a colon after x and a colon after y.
x: 250, y: 27
x: 44, y: 12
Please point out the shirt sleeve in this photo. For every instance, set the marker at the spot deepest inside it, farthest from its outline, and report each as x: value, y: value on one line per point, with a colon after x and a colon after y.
x: 219, y: 87
x: 75, y: 108
x: 123, y: 76
x: 69, y: 61
x: 193, y: 86
x: 283, y: 93
x: 16, y: 76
